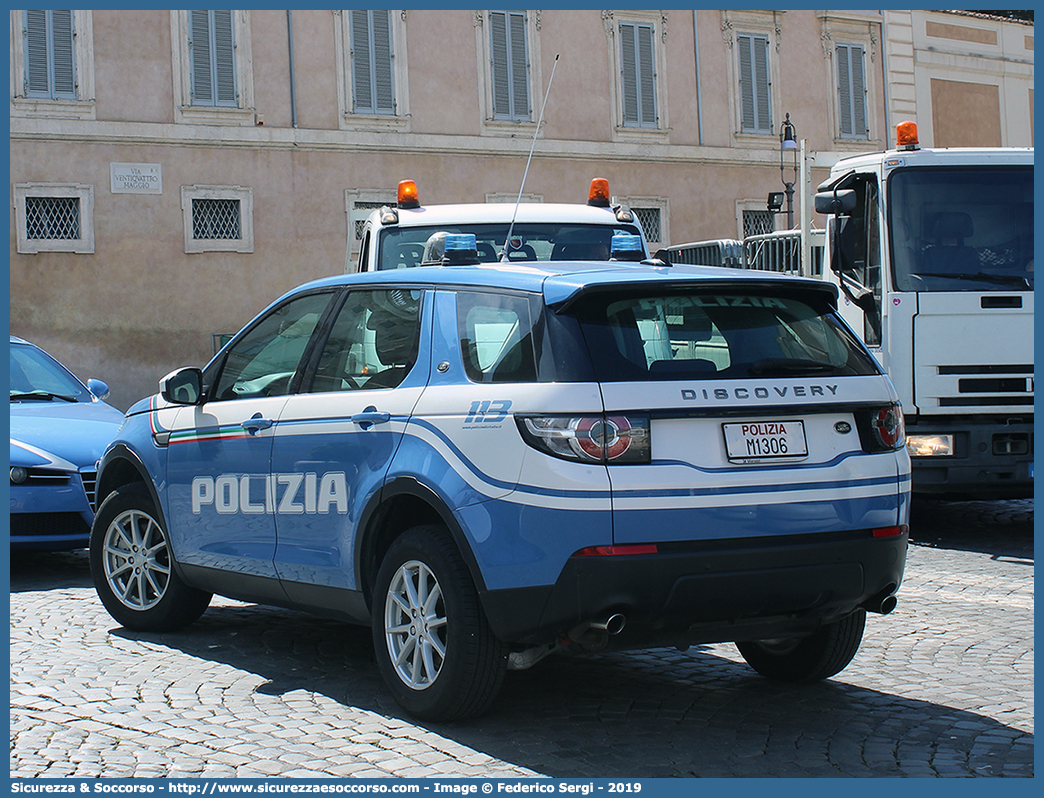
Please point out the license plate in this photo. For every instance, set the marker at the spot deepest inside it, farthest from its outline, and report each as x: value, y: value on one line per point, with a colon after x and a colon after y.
x: 763, y: 441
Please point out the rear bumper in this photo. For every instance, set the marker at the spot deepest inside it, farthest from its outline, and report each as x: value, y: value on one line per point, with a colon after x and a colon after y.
x: 719, y: 591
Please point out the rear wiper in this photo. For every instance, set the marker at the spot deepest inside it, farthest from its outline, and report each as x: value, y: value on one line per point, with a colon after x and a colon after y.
x: 787, y: 365
x: 44, y: 396
x: 983, y: 277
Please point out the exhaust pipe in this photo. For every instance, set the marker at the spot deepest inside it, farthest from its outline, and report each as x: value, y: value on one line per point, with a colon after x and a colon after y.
x: 883, y: 603
x: 612, y: 625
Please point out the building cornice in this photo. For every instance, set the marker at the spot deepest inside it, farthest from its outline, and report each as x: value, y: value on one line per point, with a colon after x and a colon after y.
x: 427, y: 144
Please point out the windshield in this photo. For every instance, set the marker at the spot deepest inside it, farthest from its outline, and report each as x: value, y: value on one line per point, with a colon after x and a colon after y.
x: 37, y: 376
x: 403, y: 246
x: 962, y: 229
x: 733, y: 333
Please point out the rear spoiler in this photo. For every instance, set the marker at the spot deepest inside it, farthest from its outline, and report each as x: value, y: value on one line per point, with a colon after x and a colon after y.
x: 561, y: 295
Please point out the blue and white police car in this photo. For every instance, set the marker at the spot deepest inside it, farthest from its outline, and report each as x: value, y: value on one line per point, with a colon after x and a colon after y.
x: 488, y: 463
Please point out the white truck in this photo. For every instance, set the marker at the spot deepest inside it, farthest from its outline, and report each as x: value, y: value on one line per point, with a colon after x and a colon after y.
x: 395, y: 237
x: 933, y: 252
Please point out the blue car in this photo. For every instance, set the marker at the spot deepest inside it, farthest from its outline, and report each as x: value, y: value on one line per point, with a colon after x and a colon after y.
x: 59, y: 429
x: 489, y: 463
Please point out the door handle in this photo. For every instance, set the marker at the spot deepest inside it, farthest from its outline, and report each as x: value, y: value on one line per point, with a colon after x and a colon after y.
x: 256, y: 423
x: 370, y: 416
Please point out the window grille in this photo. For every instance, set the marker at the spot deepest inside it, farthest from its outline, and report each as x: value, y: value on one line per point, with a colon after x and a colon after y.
x: 638, y: 75
x: 216, y: 219
x: 649, y: 219
x: 756, y: 223
x: 509, y: 65
x: 360, y: 218
x: 52, y: 218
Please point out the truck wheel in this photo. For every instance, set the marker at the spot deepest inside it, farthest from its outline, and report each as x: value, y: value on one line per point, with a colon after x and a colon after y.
x: 133, y: 567
x: 807, y: 659
x: 435, y: 649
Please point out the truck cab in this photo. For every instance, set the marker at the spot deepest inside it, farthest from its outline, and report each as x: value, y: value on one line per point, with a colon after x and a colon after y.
x: 395, y: 237
x: 933, y: 251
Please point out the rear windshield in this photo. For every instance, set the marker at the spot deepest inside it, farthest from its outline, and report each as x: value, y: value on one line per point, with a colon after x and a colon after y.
x: 722, y: 334
x: 401, y: 247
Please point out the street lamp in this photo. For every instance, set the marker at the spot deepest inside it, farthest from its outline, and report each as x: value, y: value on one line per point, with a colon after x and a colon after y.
x: 788, y: 143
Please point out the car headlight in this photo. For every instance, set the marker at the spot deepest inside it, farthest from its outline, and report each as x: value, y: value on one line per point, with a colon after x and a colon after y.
x: 930, y: 445
x: 18, y: 475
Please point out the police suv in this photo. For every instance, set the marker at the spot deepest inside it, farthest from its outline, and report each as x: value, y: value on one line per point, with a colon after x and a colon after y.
x: 488, y: 463
x: 395, y: 237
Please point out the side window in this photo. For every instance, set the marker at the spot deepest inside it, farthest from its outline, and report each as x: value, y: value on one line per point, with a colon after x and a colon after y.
x: 264, y: 361
x: 871, y: 276
x: 496, y: 337
x: 373, y: 342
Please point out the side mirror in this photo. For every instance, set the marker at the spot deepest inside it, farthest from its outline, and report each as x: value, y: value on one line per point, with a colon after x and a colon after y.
x: 841, y: 230
x: 836, y: 202
x: 99, y: 390
x: 183, y: 387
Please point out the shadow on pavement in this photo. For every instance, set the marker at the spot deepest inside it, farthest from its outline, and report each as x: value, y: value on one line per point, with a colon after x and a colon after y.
x: 1000, y: 528
x: 649, y: 713
x: 45, y: 570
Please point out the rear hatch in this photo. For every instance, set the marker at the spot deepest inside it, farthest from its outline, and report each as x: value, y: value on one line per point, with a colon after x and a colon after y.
x: 740, y: 410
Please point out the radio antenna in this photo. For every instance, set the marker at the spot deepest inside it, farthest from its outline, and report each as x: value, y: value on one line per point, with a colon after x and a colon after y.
x: 511, y: 227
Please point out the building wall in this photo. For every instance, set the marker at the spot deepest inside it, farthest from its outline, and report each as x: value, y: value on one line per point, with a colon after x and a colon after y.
x: 965, y: 78
x: 139, y: 305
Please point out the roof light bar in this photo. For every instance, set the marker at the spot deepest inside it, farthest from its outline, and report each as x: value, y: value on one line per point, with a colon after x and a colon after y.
x: 407, y: 197
x: 598, y: 194
x: 906, y: 136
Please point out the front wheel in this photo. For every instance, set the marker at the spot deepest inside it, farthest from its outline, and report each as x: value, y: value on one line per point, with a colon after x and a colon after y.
x: 133, y: 568
x: 807, y: 659
x: 434, y: 647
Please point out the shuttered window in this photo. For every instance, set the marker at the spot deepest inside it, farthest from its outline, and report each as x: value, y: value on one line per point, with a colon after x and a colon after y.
x: 851, y: 91
x: 755, y: 106
x: 373, y: 85
x: 638, y: 75
x: 50, y: 57
x: 212, y: 59
x: 509, y: 65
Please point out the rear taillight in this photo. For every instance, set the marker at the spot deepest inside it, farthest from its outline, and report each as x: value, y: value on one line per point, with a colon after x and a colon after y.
x: 617, y: 551
x: 887, y: 427
x: 611, y: 439
x: 890, y: 531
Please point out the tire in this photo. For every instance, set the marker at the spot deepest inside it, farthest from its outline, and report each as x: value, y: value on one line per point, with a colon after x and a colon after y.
x: 808, y: 659
x: 434, y: 647
x: 133, y: 567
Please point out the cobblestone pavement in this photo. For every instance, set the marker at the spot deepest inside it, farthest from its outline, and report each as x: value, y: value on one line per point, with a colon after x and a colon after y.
x: 941, y: 687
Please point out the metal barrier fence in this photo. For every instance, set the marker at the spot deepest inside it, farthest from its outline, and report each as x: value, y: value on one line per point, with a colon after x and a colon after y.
x: 770, y: 252
x: 726, y: 252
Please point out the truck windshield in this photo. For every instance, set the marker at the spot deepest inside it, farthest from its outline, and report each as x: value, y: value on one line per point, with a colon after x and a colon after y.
x: 962, y: 229
x: 403, y: 246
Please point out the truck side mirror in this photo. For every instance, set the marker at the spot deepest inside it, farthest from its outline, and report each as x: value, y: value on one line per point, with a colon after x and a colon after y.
x: 836, y: 202
x: 841, y: 230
